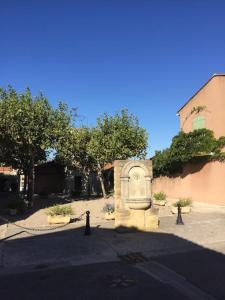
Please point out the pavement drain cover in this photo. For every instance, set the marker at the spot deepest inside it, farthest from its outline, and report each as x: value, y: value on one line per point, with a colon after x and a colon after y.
x: 133, y: 258
x: 120, y: 281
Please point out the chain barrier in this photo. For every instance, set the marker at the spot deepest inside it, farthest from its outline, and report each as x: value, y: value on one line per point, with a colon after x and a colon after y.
x: 38, y: 229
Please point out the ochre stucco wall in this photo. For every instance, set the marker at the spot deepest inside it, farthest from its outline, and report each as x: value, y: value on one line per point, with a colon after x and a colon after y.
x: 212, y: 96
x: 201, y: 182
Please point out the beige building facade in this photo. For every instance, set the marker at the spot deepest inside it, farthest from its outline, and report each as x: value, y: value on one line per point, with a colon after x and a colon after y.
x: 206, y: 108
x: 203, y: 182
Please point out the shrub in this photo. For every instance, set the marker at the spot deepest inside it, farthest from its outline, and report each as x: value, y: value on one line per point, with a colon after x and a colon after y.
x: 60, y: 210
x: 183, y: 202
x: 159, y: 196
x: 108, y: 208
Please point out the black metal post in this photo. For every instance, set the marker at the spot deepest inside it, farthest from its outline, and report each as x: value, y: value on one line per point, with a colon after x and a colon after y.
x: 87, y: 227
x: 179, y: 217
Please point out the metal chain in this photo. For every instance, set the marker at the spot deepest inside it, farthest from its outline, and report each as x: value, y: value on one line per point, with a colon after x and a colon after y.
x: 38, y: 229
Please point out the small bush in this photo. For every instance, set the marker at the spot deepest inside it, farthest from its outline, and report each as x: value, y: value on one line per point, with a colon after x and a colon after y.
x: 60, y: 210
x: 183, y: 202
x: 159, y: 196
x: 108, y: 208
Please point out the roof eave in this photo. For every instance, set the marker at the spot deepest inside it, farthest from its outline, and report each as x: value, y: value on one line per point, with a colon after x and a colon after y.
x: 214, y: 75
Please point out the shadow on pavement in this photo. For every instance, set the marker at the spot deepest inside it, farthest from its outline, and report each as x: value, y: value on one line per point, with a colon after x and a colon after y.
x: 96, y: 256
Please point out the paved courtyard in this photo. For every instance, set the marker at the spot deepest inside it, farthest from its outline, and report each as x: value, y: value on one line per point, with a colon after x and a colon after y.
x: 193, y: 251
x: 99, y: 282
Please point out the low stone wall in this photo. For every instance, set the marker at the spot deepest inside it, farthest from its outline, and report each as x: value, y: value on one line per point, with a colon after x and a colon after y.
x: 203, y: 182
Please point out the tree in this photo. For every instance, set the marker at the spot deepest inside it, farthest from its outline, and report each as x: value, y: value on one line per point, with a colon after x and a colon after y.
x: 72, y: 150
x: 162, y: 163
x: 116, y: 137
x: 29, y: 129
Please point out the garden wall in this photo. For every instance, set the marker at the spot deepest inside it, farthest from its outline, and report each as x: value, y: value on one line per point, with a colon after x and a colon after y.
x: 203, y: 182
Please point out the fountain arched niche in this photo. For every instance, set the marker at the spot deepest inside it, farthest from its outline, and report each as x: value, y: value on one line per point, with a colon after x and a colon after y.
x: 135, y: 186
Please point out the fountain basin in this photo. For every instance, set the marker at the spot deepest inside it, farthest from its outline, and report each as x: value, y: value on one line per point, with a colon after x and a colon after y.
x: 139, y: 203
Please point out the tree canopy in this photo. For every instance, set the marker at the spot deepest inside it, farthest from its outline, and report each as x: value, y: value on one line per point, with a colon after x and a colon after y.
x: 72, y: 149
x: 117, y: 137
x: 114, y: 137
x: 29, y: 129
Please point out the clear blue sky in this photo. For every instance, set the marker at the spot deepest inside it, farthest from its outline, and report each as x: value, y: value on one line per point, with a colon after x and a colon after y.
x: 104, y: 55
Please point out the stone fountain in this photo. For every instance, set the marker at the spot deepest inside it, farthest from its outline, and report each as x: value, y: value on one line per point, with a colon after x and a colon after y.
x: 132, y: 193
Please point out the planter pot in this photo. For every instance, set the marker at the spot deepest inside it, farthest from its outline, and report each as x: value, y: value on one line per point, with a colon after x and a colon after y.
x: 12, y: 211
x: 110, y: 216
x: 58, y: 219
x: 159, y: 202
x: 184, y: 209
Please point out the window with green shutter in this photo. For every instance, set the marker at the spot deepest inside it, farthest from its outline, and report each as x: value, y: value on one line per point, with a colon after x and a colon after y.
x: 198, y: 122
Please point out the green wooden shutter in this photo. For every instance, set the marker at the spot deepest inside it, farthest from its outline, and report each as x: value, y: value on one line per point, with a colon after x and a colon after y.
x: 198, y: 122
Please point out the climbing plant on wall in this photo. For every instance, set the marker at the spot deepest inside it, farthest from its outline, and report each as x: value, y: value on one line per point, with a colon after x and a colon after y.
x: 197, y: 144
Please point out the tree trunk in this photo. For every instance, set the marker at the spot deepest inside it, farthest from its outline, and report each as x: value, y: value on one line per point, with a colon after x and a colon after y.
x: 18, y: 182
x: 100, y: 175
x: 25, y: 184
x: 31, y: 184
x: 86, y: 184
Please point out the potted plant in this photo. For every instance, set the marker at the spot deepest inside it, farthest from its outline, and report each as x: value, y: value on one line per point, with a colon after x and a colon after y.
x: 185, y: 204
x: 59, y: 214
x: 109, y: 211
x: 159, y: 198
